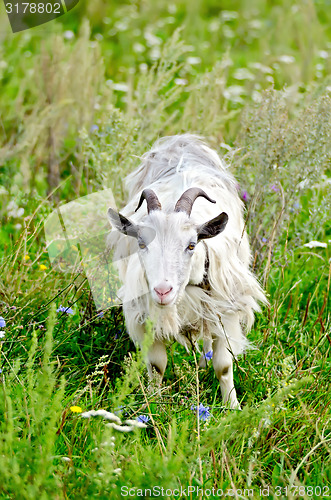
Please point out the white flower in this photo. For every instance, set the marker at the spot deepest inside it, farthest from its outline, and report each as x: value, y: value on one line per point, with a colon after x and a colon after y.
x: 68, y: 35
x: 323, y: 54
x: 234, y: 93
x: 286, y: 59
x: 121, y: 87
x: 193, y: 60
x: 117, y: 471
x: 138, y: 47
x: 2, y: 334
x: 121, y: 428
x: 136, y: 423
x: 65, y: 459
x: 260, y: 67
x: 102, y: 413
x: 180, y: 81
x: 315, y: 244
x: 243, y: 74
x: 13, y: 210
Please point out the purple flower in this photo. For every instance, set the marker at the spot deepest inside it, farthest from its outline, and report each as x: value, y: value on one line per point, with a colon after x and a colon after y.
x: 264, y: 240
x: 274, y: 188
x: 0, y: 370
x: 244, y: 195
x: 2, y: 322
x: 204, y: 412
x: 67, y: 310
x: 100, y: 314
x: 143, y: 419
x: 209, y: 355
x: 94, y: 128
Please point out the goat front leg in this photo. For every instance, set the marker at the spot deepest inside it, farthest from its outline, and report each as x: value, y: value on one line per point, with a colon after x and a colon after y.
x: 223, y: 366
x: 156, y: 361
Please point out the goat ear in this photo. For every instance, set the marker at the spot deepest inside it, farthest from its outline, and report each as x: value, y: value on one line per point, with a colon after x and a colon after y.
x: 121, y: 223
x: 213, y: 227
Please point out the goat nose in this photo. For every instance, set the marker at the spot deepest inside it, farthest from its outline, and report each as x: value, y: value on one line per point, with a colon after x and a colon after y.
x: 163, y: 289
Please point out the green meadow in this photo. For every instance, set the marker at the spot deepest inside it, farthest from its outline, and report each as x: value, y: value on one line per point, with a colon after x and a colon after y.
x: 81, y: 98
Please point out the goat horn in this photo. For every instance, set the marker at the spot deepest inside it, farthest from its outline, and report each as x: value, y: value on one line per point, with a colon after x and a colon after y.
x: 185, y: 202
x: 151, y: 199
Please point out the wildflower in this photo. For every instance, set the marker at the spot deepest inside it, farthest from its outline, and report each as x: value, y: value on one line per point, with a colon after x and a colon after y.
x: 100, y: 314
x: 42, y: 267
x: 117, y: 471
x: 204, y: 412
x: 2, y: 334
x: 67, y: 310
x: 121, y: 87
x: 94, y: 128
x: 274, y: 188
x: 102, y: 413
x: 119, y: 410
x: 26, y: 257
x: 68, y: 35
x: 76, y: 409
x: 264, y: 240
x: 244, y: 195
x: 143, y: 419
x: 315, y: 244
x: 66, y: 459
x: 136, y: 423
x: 121, y: 428
x: 286, y: 59
x: 2, y: 322
x: 0, y: 371
x: 209, y: 355
x: 180, y: 81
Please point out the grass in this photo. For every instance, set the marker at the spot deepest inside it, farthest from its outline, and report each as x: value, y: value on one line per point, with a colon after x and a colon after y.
x: 255, y: 83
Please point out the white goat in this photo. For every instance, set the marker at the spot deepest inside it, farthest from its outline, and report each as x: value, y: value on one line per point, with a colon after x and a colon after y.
x: 185, y: 260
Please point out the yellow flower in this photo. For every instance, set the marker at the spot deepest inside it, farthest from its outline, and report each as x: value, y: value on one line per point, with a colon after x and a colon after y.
x: 74, y: 248
x: 76, y: 409
x: 26, y: 257
x: 42, y: 267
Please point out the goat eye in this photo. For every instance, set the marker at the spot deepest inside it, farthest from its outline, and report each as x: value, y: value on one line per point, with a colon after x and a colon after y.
x: 142, y: 245
x: 191, y: 246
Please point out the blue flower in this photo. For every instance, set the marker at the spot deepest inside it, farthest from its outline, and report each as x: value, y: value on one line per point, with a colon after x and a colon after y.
x: 209, y: 355
x: 274, y: 188
x: 119, y: 410
x: 2, y: 322
x: 264, y: 240
x: 100, y: 314
x: 204, y: 412
x: 94, y: 128
x: 143, y: 419
x: 67, y: 310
